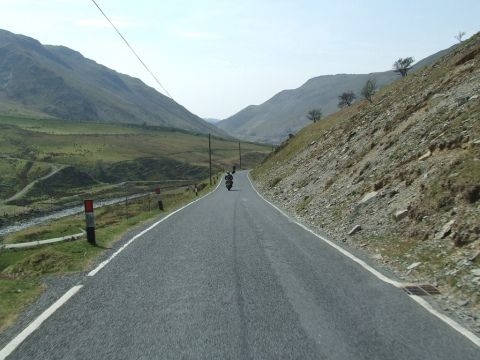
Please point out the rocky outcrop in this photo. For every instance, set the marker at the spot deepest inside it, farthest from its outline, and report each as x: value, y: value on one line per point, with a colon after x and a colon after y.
x: 406, y: 167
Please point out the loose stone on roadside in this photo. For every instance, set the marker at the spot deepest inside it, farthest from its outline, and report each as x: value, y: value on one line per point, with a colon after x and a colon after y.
x: 425, y: 156
x: 475, y: 272
x: 368, y: 196
x: 446, y: 230
x: 413, y: 265
x: 355, y: 229
x: 400, y: 214
x: 475, y: 256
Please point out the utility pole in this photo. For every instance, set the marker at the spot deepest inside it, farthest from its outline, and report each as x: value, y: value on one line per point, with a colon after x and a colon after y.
x: 240, y: 154
x: 126, y: 200
x: 210, y: 157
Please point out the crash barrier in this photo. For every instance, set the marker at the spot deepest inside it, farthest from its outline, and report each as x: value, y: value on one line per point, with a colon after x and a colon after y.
x: 42, y: 242
x: 90, y: 221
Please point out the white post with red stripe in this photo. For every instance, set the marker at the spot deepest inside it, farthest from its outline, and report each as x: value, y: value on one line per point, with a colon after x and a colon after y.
x: 159, y: 198
x: 90, y: 221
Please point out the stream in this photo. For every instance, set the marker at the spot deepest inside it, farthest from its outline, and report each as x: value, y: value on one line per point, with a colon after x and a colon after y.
x: 20, y: 225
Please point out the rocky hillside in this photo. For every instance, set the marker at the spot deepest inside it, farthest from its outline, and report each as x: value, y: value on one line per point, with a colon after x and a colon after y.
x: 286, y: 112
x: 398, y: 178
x: 42, y: 80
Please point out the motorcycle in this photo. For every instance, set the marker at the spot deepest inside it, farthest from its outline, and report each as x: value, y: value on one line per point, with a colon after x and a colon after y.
x: 229, y: 181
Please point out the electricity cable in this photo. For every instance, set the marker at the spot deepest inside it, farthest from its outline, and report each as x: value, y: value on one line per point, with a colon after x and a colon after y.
x: 131, y: 48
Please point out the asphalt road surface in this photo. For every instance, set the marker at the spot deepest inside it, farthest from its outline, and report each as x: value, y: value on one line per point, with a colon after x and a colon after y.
x: 229, y: 277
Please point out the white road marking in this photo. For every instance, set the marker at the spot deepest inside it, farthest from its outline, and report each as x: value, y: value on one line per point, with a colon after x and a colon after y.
x: 35, y: 324
x: 103, y: 263
x: 15, y: 342
x: 452, y: 323
x: 468, y: 334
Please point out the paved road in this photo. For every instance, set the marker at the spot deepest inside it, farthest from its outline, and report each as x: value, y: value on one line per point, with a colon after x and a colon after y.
x: 231, y: 278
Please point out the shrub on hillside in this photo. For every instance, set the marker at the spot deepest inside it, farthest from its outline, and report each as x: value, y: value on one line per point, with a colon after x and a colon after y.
x: 402, y: 65
x: 369, y: 89
x: 346, y: 99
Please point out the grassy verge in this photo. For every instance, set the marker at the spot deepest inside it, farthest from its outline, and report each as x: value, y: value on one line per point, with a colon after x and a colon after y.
x: 433, y: 258
x: 21, y: 271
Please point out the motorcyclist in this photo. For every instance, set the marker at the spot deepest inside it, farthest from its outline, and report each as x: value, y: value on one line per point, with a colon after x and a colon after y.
x: 229, y: 180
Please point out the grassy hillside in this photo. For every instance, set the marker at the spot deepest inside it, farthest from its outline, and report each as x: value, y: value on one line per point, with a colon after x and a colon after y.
x: 74, y: 158
x: 405, y: 168
x: 58, y: 82
x: 285, y: 112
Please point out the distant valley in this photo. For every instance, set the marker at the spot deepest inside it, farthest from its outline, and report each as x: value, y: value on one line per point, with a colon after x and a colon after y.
x: 212, y: 120
x: 285, y: 112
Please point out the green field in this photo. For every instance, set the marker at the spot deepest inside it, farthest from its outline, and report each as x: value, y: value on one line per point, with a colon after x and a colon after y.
x: 92, y: 157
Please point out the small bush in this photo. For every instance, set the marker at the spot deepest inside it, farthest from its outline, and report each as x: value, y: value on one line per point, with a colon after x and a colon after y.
x: 304, y: 203
x: 329, y: 183
x: 303, y: 183
x: 274, y: 182
x: 472, y: 194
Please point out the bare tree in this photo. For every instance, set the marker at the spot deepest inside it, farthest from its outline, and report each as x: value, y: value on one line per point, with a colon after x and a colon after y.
x: 346, y: 99
x: 401, y: 66
x: 460, y: 36
x: 369, y: 89
x: 314, y: 115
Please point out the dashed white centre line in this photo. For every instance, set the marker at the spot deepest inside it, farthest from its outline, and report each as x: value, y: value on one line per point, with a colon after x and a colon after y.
x: 35, y: 324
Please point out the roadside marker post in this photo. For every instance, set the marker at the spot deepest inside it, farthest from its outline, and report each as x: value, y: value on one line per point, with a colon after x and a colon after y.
x: 90, y: 221
x: 159, y: 199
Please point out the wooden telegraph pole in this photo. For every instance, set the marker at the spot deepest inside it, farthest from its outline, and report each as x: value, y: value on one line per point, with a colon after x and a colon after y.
x: 210, y: 157
x: 240, y: 154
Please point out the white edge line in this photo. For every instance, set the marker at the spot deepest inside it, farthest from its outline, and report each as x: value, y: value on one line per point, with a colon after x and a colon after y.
x: 35, y: 324
x: 103, y: 263
x: 467, y: 333
x: 332, y: 244
x: 452, y: 323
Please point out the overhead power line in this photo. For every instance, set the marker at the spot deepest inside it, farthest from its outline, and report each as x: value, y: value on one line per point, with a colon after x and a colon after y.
x: 131, y: 48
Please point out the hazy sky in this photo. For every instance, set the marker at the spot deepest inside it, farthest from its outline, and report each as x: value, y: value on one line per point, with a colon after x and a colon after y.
x: 216, y: 57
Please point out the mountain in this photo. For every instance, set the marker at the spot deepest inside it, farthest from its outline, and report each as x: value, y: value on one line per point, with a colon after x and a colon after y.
x: 212, y: 120
x: 55, y: 81
x: 285, y: 112
x: 403, y: 171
